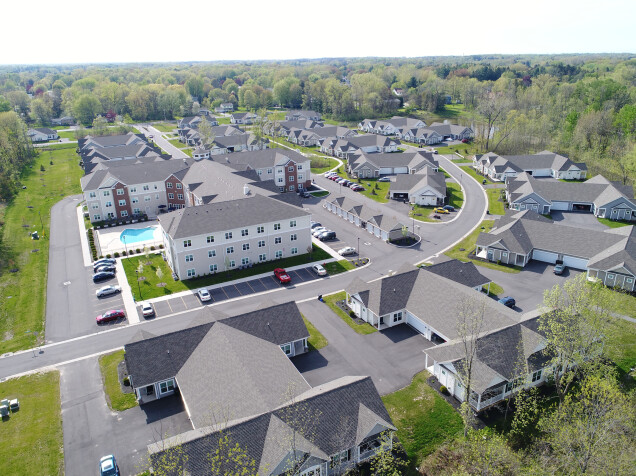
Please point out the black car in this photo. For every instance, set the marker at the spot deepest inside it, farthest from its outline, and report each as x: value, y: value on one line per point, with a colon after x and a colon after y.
x: 315, y: 224
x: 107, y: 268
x: 327, y: 235
x: 104, y: 261
x: 305, y: 194
x: 508, y: 302
x: 450, y: 208
x: 102, y: 276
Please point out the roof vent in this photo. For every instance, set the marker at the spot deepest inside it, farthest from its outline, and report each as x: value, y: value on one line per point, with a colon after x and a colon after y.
x: 246, y: 190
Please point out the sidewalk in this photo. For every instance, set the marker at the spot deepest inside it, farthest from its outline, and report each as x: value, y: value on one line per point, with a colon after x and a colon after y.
x: 86, y: 254
x: 126, y: 294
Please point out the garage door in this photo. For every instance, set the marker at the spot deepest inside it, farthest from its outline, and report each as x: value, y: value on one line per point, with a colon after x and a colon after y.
x: 576, y: 263
x: 544, y: 256
x: 401, y: 170
x: 418, y: 325
x: 560, y: 206
x: 386, y: 170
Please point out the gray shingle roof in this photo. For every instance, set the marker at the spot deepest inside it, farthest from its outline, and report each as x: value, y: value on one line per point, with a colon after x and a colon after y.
x: 460, y: 272
x: 416, y: 160
x: 424, y: 177
x: 131, y: 172
x: 259, y: 159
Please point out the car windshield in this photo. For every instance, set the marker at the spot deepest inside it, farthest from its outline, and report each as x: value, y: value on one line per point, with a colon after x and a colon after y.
x: 108, y: 468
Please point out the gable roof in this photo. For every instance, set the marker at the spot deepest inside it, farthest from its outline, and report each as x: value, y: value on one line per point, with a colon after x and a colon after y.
x: 412, y: 160
x: 422, y: 178
x: 460, y: 272
x: 132, y: 172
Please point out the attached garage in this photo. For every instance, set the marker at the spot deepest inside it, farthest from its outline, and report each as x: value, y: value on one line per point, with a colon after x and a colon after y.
x: 582, y: 207
x: 418, y: 325
x: 560, y: 206
x: 386, y: 170
x: 399, y: 195
x: 544, y: 256
x: 576, y: 263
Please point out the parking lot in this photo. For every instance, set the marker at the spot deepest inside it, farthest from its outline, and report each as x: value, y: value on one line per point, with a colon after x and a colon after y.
x: 101, y: 305
x: 231, y: 291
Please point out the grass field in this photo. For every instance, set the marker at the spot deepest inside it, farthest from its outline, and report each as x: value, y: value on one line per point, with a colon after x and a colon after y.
x: 370, y: 185
x: 177, y: 143
x: 316, y: 340
x: 615, y: 223
x: 165, y: 126
x: 424, y: 419
x: 455, y: 194
x: 149, y: 288
x: 422, y: 213
x: 331, y: 300
x: 319, y: 165
x: 67, y: 135
x: 23, y: 310
x: 322, y: 193
x: 473, y: 173
x: 31, y: 439
x: 117, y: 400
x: 337, y: 267
x: 495, y: 206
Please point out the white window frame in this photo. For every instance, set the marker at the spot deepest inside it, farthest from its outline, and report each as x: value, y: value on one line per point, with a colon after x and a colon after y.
x: 279, y: 254
x: 211, y: 253
x: 187, y: 243
x: 276, y: 226
x: 191, y: 273
x: 294, y: 251
x: 262, y: 257
x: 229, y: 250
x: 167, y: 384
x: 228, y: 235
x: 246, y: 246
x: 213, y: 268
x: 189, y: 258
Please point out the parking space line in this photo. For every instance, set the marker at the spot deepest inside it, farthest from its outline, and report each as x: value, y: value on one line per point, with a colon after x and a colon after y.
x: 168, y: 302
x: 248, y: 283
x: 184, y: 303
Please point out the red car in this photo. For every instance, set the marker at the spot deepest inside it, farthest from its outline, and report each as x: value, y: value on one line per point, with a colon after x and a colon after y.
x: 282, y: 275
x: 110, y: 316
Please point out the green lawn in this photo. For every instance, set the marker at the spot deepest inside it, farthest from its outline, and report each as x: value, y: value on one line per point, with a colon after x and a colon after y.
x: 22, y: 311
x: 177, y: 143
x: 495, y: 289
x: 370, y: 185
x: 422, y: 213
x: 149, y: 288
x: 316, y: 340
x: 58, y: 146
x: 467, y: 150
x: 67, y: 135
x: 117, y: 400
x: 331, y: 300
x: 455, y: 194
x: 31, y: 439
x: 424, y: 419
x: 321, y: 193
x: 495, y: 206
x: 473, y: 173
x: 223, y: 120
x: 615, y: 223
x: 337, y: 267
x: 165, y: 126
x: 319, y: 165
x: 468, y: 244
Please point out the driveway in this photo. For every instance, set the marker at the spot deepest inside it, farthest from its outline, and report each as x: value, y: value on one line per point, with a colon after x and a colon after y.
x: 578, y: 219
x: 390, y: 357
x: 92, y: 430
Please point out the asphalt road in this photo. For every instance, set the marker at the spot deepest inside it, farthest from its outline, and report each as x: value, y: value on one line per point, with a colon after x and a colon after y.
x: 161, y: 142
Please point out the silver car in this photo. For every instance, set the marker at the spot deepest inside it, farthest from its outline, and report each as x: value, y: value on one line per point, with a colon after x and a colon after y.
x: 319, y: 270
x: 107, y: 291
x: 147, y: 309
x: 204, y: 295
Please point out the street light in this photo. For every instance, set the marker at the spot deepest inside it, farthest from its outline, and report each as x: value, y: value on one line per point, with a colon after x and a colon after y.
x: 358, y: 247
x: 35, y: 334
x: 125, y: 247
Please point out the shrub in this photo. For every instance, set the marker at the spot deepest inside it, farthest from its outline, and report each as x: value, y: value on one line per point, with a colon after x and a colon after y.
x: 444, y: 390
x: 123, y: 253
x: 108, y: 255
x: 152, y: 248
x: 101, y: 256
x: 116, y: 254
x: 352, y: 314
x: 42, y: 169
x: 160, y: 247
x: 127, y: 381
x: 51, y: 162
x: 138, y: 250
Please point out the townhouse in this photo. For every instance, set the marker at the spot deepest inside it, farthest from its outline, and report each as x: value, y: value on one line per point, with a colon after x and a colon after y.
x: 369, y: 165
x: 42, y: 134
x: 426, y: 187
x: 243, y: 118
x: 389, y: 126
x: 191, y: 136
x: 420, y: 135
x: 193, y: 122
x: 597, y: 195
x: 303, y: 115
x: 452, y: 131
x: 103, y: 142
x: 542, y: 164
x: 224, y: 235
x: 282, y: 128
x: 93, y: 156
x: 63, y: 121
x: 367, y: 143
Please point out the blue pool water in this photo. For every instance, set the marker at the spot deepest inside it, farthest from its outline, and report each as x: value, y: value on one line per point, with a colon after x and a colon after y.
x: 135, y: 235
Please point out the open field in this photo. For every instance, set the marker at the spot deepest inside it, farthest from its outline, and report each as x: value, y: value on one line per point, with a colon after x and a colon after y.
x: 165, y: 126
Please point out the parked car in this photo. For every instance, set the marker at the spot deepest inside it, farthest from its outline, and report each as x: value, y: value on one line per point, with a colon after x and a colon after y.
x: 104, y: 261
x: 147, y: 310
x: 508, y: 302
x: 107, y: 291
x: 103, y: 276
x: 347, y: 250
x: 304, y: 194
x: 105, y: 268
x: 384, y: 179
x: 108, y: 466
x: 450, y: 208
x: 484, y: 182
x: 319, y: 270
x: 465, y: 141
x: 357, y: 188
x: 559, y: 269
x: 440, y: 210
x: 315, y: 224
x: 282, y: 275
x: 110, y: 316
x: 435, y: 151
x: 327, y: 174
x: 318, y: 230
x: 327, y: 235
x: 204, y: 295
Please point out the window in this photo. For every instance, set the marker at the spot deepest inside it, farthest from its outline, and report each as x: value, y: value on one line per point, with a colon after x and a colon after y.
x: 509, y: 387
x: 157, y: 196
x: 191, y: 273
x: 124, y: 213
x: 299, y: 166
x: 228, y: 235
x: 281, y: 189
x: 146, y: 187
x: 278, y: 240
x: 179, y: 196
x: 291, y: 178
x: 92, y: 194
x: 210, y: 239
x: 120, y: 191
x: 629, y: 280
x: 110, y: 215
x: 291, y: 188
x: 232, y: 264
x: 246, y: 246
x: 294, y: 251
x: 97, y: 217
x: 109, y: 204
x: 339, y: 458
x: 260, y: 229
x: 179, y: 186
x: 269, y: 171
x: 262, y: 257
x: 156, y: 187
x: 211, y: 253
x: 135, y: 200
x: 280, y: 180
x: 609, y: 275
x: 167, y: 386
x: 279, y: 170
x: 259, y: 172
x: 261, y: 244
x: 187, y: 243
x: 122, y: 203
x: 133, y: 189
x: 536, y: 376
x: 276, y: 226
x: 286, y: 348
x: 229, y: 250
x: 245, y: 232
x: 293, y: 237
x: 292, y: 223
x: 397, y: 316
x: 290, y: 168
x: 300, y: 177
x: 95, y: 206
x: 279, y: 254
x: 189, y: 258
x: 169, y: 185
x: 147, y: 198
x: 106, y: 193
x: 136, y: 211
x: 171, y: 196
x: 245, y: 261
x: 213, y: 268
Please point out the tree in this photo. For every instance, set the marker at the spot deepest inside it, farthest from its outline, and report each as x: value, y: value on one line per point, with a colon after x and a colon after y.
x: 100, y: 126
x: 386, y: 462
x: 42, y: 110
x: 229, y: 459
x: 574, y: 323
x: 206, y: 134
x: 5, y: 105
x: 85, y: 108
x: 140, y: 268
x: 493, y: 107
x: 194, y: 87
x: 159, y: 273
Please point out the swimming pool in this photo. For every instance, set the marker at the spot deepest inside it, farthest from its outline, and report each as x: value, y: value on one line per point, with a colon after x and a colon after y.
x: 135, y: 235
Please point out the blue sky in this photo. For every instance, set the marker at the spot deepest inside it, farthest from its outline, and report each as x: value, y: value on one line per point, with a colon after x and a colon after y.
x: 73, y: 31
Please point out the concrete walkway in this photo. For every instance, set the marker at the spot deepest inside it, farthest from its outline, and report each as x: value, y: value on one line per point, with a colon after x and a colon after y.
x: 126, y: 294
x: 86, y: 253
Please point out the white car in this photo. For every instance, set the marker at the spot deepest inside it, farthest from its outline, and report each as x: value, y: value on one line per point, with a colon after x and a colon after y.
x: 318, y: 230
x: 147, y: 309
x: 348, y: 250
x: 107, y: 291
x: 204, y: 295
x: 319, y: 270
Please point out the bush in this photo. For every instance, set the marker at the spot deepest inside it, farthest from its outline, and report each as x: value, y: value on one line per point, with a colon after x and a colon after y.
x: 123, y: 253
x: 42, y: 169
x: 352, y: 314
x: 101, y: 256
x: 108, y: 255
x: 152, y: 248
x: 138, y: 250
x: 127, y: 381
x: 160, y: 247
x: 444, y: 390
x: 116, y: 254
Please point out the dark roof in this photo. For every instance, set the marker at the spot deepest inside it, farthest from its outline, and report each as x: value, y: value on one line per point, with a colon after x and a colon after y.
x: 460, y: 272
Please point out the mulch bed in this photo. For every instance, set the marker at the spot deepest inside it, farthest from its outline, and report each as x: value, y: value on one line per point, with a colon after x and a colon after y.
x: 343, y: 305
x: 122, y: 373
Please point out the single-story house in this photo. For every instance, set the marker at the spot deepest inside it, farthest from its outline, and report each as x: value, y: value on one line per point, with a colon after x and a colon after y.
x: 542, y: 164
x: 194, y: 121
x: 380, y: 225
x: 462, y: 273
x: 243, y: 118
x: 367, y: 165
x: 306, y: 138
x: 426, y: 187
x: 389, y: 126
x: 597, y: 195
x: 42, y: 134
x: 608, y: 255
x: 303, y: 115
x: 452, y: 131
x: 367, y: 143
x: 63, y: 121
x: 282, y: 128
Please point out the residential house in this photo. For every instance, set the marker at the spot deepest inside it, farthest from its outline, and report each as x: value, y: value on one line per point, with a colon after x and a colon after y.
x: 219, y: 236
x: 63, y: 121
x: 224, y: 107
x: 93, y: 156
x: 542, y: 164
x: 303, y: 115
x: 382, y: 226
x: 367, y: 143
x: 420, y: 135
x: 42, y: 134
x: 597, y: 195
x: 426, y: 187
x: 194, y: 121
x: 243, y: 118
x: 338, y: 132
x: 305, y: 138
x: 104, y: 142
x: 398, y: 92
x: 282, y: 128
x: 389, y: 126
x: 366, y: 165
x: 462, y: 273
x: 452, y: 131
x: 191, y: 136
x: 609, y: 255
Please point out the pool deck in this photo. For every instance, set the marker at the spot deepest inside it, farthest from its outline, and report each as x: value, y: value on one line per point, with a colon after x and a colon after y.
x: 110, y: 242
